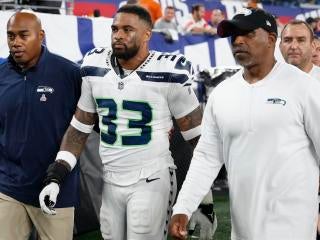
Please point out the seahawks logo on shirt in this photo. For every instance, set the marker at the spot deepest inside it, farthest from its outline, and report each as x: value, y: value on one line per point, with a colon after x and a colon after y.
x: 45, y: 89
x: 276, y: 101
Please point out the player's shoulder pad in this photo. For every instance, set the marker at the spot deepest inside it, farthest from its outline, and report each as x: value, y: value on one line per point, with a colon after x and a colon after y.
x: 94, y: 62
x: 177, y: 62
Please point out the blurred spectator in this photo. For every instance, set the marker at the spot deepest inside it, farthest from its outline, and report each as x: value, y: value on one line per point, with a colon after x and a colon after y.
x: 316, y: 52
x: 317, y: 27
x: 252, y: 4
x: 312, y: 23
x: 196, y: 24
x: 167, y: 21
x: 216, y: 17
x: 96, y: 13
x: 167, y: 25
x: 153, y: 7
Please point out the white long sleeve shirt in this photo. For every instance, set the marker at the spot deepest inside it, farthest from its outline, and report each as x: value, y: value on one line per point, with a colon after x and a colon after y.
x: 267, y: 134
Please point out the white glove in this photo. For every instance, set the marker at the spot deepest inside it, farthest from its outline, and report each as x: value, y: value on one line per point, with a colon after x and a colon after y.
x: 199, y: 221
x: 48, y: 198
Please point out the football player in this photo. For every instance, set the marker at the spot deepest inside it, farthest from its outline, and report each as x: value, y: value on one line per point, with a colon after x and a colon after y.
x: 135, y: 93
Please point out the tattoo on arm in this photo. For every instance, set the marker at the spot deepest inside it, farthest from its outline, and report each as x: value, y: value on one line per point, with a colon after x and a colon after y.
x: 190, y: 121
x: 74, y: 140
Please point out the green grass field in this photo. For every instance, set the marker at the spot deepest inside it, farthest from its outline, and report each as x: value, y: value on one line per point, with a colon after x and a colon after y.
x: 223, y: 214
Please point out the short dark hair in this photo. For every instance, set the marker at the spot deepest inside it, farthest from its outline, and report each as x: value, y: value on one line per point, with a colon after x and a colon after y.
x: 170, y: 7
x: 310, y: 20
x: 299, y: 22
x: 196, y: 7
x: 141, y: 12
x: 132, y: 1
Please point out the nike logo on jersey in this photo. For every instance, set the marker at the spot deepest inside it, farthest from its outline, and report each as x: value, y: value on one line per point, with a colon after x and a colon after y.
x: 276, y: 101
x: 151, y: 180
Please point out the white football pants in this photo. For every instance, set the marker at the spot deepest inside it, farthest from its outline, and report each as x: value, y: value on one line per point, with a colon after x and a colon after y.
x: 140, y: 211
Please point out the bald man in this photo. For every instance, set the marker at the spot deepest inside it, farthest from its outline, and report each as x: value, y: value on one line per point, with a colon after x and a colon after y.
x: 39, y: 92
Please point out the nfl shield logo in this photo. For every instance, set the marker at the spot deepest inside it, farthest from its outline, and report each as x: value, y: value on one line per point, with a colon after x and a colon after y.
x: 43, y: 98
x: 120, y: 85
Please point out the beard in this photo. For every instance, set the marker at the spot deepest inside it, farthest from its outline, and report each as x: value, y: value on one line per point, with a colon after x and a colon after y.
x: 125, y: 53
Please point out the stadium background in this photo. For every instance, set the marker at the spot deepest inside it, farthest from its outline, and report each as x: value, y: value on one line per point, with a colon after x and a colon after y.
x: 73, y: 35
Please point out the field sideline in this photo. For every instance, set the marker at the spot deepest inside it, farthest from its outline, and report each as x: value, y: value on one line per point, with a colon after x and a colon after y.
x: 221, y: 202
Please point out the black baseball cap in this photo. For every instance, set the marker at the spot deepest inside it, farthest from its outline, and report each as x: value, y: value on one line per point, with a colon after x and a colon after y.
x: 247, y: 20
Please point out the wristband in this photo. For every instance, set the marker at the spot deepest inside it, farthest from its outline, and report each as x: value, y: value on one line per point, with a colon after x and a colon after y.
x: 67, y: 157
x: 191, y: 133
x: 56, y: 172
x: 85, y: 128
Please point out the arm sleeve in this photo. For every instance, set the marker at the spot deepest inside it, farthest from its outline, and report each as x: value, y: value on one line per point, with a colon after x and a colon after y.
x: 182, y: 99
x: 312, y: 114
x: 86, y: 101
x: 204, y: 167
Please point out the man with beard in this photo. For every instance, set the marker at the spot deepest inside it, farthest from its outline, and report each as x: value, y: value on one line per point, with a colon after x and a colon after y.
x: 263, y: 124
x: 134, y: 92
x: 39, y: 92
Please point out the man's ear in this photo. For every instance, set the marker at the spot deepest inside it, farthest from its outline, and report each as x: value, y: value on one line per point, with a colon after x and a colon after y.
x: 273, y: 36
x: 42, y: 35
x: 147, y: 35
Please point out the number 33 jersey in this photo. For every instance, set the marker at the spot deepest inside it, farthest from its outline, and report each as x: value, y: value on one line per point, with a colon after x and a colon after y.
x: 135, y: 112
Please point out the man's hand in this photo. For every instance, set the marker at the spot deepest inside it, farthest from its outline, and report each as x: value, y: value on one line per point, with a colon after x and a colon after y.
x: 48, y: 198
x: 178, y: 226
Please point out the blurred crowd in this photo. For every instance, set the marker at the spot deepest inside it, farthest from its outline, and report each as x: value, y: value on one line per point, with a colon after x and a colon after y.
x: 296, y: 3
x: 55, y: 6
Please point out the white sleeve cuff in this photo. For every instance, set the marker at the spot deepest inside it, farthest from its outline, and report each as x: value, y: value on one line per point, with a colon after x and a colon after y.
x: 191, y: 133
x: 181, y: 210
x: 67, y: 157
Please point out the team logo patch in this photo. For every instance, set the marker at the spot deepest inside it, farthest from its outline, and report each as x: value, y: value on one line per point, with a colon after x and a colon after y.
x: 276, y: 101
x: 43, y: 98
x: 45, y: 89
x: 120, y: 85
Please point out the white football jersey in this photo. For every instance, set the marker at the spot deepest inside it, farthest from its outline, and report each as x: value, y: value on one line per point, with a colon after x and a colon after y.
x: 135, y: 112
